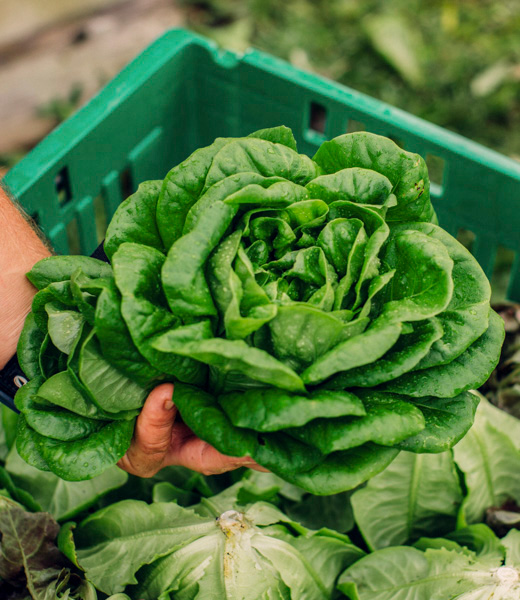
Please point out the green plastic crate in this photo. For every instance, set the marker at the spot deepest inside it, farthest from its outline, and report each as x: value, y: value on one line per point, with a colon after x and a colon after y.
x: 183, y: 91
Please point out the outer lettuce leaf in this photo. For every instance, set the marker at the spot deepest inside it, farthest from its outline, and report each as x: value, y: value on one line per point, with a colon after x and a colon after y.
x: 466, y: 317
x: 143, y: 307
x: 111, y: 390
x: 278, y: 135
x: 357, y: 351
x: 235, y: 355
x: 78, y: 459
x: 418, y: 494
x: 404, y: 355
x: 354, y: 184
x: 389, y: 419
x: 58, y: 291
x: 55, y: 269
x: 29, y: 344
x: 447, y: 421
x: 135, y: 220
x: 116, y: 342
x: 260, y: 156
x: 49, y: 420
x: 276, y: 451
x: 182, y: 554
x: 63, y: 391
x: 62, y: 499
x: 490, y: 461
x: 406, y: 171
x: 344, y: 470
x: 422, y: 286
x: 183, y: 277
x: 181, y: 189
x: 402, y: 573
x: 316, y: 331
x: 271, y: 409
x: 64, y: 326
x: 470, y: 370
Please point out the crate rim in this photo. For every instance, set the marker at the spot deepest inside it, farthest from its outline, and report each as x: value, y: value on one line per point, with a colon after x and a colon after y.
x: 67, y: 135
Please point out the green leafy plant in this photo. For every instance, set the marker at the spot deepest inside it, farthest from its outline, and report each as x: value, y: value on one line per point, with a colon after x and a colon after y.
x: 310, y: 311
x: 418, y: 494
x: 31, y: 565
x: 62, y: 499
x: 489, y: 457
x: 503, y: 387
x: 472, y: 564
x: 214, y: 550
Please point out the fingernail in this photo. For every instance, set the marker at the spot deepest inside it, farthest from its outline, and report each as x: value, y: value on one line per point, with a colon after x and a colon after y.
x: 168, y: 405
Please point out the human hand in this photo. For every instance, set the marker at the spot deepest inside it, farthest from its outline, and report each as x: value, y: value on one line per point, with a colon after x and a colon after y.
x: 160, y: 440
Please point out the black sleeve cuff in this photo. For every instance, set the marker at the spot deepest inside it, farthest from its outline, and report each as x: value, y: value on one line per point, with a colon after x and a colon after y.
x: 11, y: 378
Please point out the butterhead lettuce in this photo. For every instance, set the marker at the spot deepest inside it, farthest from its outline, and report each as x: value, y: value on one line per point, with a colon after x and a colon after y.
x: 311, y: 313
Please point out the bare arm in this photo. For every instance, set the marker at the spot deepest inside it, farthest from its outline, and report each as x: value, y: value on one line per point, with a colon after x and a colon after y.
x: 20, y: 249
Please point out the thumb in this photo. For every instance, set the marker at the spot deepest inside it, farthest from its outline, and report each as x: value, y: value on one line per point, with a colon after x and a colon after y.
x: 152, y: 435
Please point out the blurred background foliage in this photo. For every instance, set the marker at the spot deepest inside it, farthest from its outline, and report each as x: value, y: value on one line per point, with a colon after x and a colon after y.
x: 453, y: 62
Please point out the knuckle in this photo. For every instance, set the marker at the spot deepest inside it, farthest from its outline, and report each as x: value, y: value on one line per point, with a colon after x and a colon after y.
x: 143, y: 471
x: 156, y: 422
x: 155, y: 448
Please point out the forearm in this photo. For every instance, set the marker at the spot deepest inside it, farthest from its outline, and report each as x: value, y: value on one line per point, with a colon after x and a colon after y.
x: 20, y: 249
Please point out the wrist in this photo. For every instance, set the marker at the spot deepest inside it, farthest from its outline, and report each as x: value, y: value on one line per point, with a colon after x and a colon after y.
x: 15, y: 309
x: 20, y: 249
x: 16, y: 296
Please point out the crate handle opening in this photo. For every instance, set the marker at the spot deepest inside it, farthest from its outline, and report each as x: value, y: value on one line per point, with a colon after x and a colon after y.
x: 397, y: 140
x: 353, y: 125
x: 101, y: 216
x: 126, y: 183
x: 466, y: 237
x: 502, y: 271
x: 317, y: 117
x: 62, y: 186
x: 436, y: 168
x: 73, y: 238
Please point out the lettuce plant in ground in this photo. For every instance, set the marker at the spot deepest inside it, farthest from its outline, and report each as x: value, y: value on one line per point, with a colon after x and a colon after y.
x: 31, y: 566
x: 503, y: 387
x: 214, y: 551
x: 471, y: 565
x: 418, y: 494
x: 44, y: 491
x: 489, y: 457
x: 310, y: 311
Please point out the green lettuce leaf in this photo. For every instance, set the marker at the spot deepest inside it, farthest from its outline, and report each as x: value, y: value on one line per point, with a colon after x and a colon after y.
x: 417, y: 495
x: 490, y: 461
